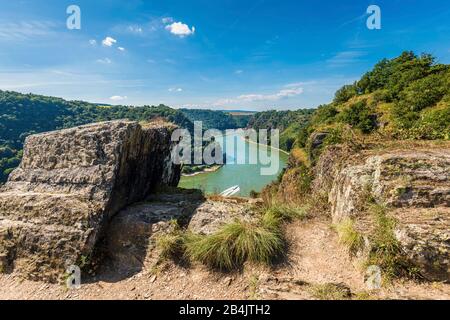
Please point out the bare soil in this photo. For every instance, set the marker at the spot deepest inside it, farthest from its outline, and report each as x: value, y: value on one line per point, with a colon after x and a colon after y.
x: 315, y: 258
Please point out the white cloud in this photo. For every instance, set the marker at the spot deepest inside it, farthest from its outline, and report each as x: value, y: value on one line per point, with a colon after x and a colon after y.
x: 167, y: 20
x: 118, y: 98
x: 93, y: 42
x: 180, y: 29
x: 175, y: 89
x: 345, y: 58
x: 280, y: 95
x: 26, y: 30
x: 135, y: 29
x: 104, y: 61
x: 121, y: 49
x: 109, y: 42
x: 239, y: 71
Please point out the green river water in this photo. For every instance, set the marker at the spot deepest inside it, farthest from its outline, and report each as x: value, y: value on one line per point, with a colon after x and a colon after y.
x: 247, y: 176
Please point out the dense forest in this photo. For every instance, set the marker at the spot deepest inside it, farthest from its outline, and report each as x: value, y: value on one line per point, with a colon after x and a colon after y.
x: 288, y: 122
x: 407, y: 97
x: 25, y: 114
x: 212, y: 119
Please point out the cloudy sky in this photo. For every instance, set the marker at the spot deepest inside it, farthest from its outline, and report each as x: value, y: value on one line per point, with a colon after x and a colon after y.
x: 224, y: 54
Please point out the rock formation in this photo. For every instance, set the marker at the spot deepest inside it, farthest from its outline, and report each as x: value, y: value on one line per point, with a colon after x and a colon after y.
x: 132, y: 234
x: 415, y: 187
x: 59, y: 202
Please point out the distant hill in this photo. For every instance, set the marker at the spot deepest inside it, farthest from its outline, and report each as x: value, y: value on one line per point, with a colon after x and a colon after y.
x: 239, y: 112
x: 288, y: 122
x: 25, y: 114
x: 211, y: 119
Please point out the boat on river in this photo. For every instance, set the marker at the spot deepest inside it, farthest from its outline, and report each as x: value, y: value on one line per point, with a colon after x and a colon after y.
x: 231, y: 191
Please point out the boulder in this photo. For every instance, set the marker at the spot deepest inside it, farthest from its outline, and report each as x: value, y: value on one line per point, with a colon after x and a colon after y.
x: 57, y: 205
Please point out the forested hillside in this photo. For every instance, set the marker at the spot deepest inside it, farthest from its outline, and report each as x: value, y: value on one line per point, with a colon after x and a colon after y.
x: 288, y: 122
x: 403, y: 98
x: 211, y: 119
x: 399, y: 101
x: 25, y: 114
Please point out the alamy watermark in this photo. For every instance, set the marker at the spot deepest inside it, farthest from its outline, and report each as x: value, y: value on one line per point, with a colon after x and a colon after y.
x: 73, y: 280
x: 373, y: 278
x: 374, y: 19
x: 74, y: 20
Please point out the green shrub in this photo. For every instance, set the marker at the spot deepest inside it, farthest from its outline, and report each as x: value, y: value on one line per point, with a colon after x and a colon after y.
x: 431, y: 123
x: 434, y: 124
x: 424, y: 93
x: 324, y: 114
x: 345, y: 93
x: 359, y: 116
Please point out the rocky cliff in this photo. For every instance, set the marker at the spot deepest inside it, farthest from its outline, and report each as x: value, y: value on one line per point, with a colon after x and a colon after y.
x: 413, y: 184
x: 59, y: 202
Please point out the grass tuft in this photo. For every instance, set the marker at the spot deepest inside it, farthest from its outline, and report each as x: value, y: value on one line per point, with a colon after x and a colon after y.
x: 285, y: 212
x: 260, y: 241
x: 349, y: 236
x: 234, y: 244
x: 172, y: 245
x: 331, y: 291
x: 385, y: 250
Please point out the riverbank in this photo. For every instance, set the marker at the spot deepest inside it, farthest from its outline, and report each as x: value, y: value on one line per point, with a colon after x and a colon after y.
x: 207, y: 169
x: 247, y: 175
x: 257, y: 143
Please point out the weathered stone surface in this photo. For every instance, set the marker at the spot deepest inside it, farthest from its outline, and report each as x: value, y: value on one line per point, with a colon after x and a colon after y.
x: 213, y: 214
x: 132, y: 234
x: 397, y: 179
x: 57, y: 204
x: 425, y: 237
x: 315, y: 142
x: 415, y: 185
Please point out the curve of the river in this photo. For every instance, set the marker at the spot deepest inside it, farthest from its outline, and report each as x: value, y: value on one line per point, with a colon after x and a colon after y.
x: 247, y: 176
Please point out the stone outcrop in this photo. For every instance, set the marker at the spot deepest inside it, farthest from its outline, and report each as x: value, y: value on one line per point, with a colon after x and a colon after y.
x: 132, y: 235
x: 415, y: 187
x: 59, y: 202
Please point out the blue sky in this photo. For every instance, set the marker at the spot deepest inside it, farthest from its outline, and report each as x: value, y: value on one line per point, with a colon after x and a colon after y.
x: 252, y: 55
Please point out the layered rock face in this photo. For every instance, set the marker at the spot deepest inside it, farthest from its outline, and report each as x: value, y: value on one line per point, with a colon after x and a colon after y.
x: 58, y: 203
x: 415, y: 187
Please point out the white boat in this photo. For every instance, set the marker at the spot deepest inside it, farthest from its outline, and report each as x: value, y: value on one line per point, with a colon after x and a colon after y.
x: 231, y: 191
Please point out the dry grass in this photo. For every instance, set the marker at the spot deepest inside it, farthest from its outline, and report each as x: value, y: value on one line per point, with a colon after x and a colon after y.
x: 259, y: 242
x: 349, y: 236
x: 331, y: 291
x: 234, y: 244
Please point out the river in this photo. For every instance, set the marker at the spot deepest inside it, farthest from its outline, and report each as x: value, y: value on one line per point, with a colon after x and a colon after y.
x: 247, y: 176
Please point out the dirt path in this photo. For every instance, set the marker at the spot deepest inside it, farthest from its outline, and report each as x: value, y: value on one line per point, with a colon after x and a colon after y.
x: 316, y: 259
